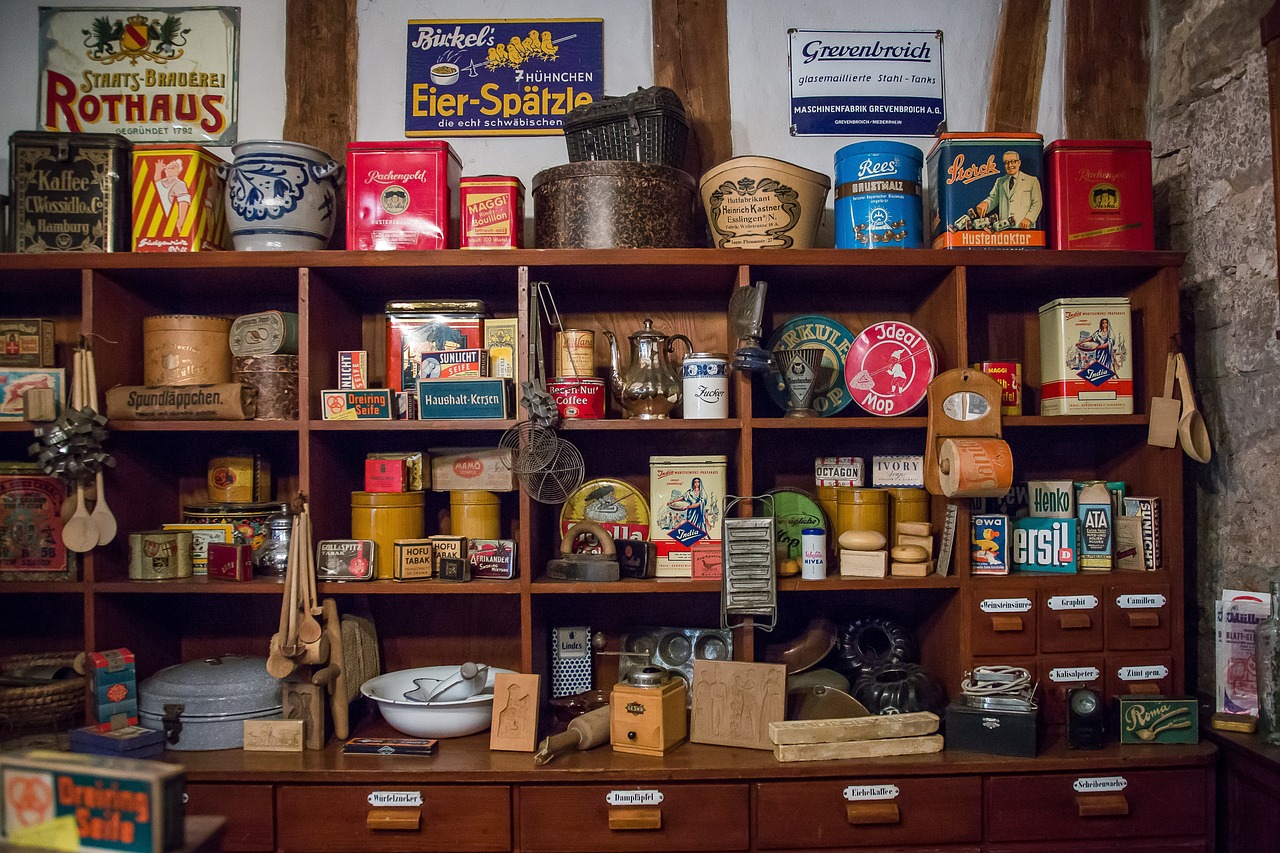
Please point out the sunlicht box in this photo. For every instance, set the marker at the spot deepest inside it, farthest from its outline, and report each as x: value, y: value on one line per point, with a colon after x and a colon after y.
x: 1086, y: 367
x: 402, y: 195
x: 985, y: 191
x: 686, y: 499
x: 178, y: 200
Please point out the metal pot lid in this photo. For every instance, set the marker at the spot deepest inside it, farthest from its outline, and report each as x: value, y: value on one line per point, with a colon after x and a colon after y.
x: 219, y: 686
x: 648, y: 676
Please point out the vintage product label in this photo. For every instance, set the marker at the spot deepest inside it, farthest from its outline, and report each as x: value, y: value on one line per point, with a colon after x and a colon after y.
x: 755, y: 212
x: 1129, y: 554
x: 403, y: 197
x: 386, y: 475
x: 1085, y: 364
x: 879, y: 196
x: 415, y: 559
x: 346, y: 559
x: 160, y: 555
x: 1052, y: 498
x: 1005, y: 605
x: 1159, y: 720
x: 454, y: 547
x: 409, y: 335
x: 1148, y: 510
x: 889, y: 368
x: 493, y: 559
x: 570, y: 660
x: 575, y: 353
x: 686, y: 494
x: 69, y: 194
x: 1044, y: 545
x: 372, y: 404
x: 989, y: 554
x: 615, y: 505
x: 31, y: 524
x: 487, y: 468
x: 579, y: 398
x: 831, y: 392
x: 179, y: 205
x: 353, y: 370
x: 26, y: 342
x: 897, y: 471
x: 848, y: 471
x: 1074, y: 674
x: 1101, y: 196
x: 1009, y: 375
x: 233, y: 402
x: 454, y: 364
x: 501, y: 338
x: 15, y: 382
x: 1096, y: 528
x: 265, y: 333
x: 413, y: 465
x: 462, y: 399
x: 239, y: 479
x: 985, y: 191
x: 230, y: 561
x: 492, y: 213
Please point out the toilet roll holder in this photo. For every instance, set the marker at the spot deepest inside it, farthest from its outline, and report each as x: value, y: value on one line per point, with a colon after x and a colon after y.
x: 964, y: 404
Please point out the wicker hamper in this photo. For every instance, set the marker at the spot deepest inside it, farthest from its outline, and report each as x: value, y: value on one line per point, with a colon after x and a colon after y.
x: 55, y: 706
x: 646, y: 126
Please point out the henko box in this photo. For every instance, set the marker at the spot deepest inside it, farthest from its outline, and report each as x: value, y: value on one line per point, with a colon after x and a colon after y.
x: 178, y: 200
x: 1085, y: 363
x: 402, y: 195
x: 985, y: 191
x: 686, y: 497
x: 1100, y: 194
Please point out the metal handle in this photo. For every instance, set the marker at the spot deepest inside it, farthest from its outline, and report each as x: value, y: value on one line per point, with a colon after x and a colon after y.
x: 1101, y: 805
x: 624, y: 818
x: 671, y: 344
x: 602, y: 536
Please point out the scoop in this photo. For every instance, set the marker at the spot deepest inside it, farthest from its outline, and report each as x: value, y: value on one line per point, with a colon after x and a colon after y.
x: 466, y: 682
x: 1191, y: 429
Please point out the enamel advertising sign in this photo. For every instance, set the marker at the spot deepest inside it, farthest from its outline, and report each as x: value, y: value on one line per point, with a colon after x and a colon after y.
x: 866, y: 83
x: 506, y: 77
x: 152, y: 75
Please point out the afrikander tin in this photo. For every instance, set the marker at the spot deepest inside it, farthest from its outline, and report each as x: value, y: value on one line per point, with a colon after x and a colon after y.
x: 878, y: 196
x: 986, y: 191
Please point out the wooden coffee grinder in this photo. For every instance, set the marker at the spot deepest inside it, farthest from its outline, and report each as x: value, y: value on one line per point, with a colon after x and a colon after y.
x: 649, y: 715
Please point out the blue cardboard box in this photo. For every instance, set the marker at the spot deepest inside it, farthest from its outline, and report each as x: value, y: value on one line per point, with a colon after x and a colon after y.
x: 1044, y: 545
x: 463, y: 399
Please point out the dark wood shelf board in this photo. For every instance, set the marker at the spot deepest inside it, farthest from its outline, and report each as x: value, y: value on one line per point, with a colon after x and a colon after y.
x: 546, y: 586
x: 423, y: 587
x: 838, y: 422
x: 629, y: 424
x: 205, y: 426
x: 491, y: 424
x: 49, y: 587
x: 835, y: 582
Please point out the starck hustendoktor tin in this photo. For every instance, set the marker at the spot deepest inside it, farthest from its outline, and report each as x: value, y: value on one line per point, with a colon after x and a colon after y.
x: 878, y: 196
x: 1086, y: 358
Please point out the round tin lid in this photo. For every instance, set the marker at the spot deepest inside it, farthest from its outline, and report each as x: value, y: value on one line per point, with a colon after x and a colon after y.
x: 186, y: 323
x: 648, y: 676
x: 794, y: 512
x: 707, y: 356
x: 615, y: 505
x: 815, y: 330
x: 612, y: 169
x: 223, y: 686
x: 900, y: 149
x: 889, y: 368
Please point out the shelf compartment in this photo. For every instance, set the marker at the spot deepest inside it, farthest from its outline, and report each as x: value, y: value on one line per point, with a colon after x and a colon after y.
x: 205, y: 426
x: 834, y: 583
x: 489, y: 425
x: 638, y: 425
x: 547, y: 586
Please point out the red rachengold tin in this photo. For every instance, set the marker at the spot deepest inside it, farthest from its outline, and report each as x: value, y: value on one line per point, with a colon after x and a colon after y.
x: 580, y: 398
x: 402, y: 195
x: 1100, y: 194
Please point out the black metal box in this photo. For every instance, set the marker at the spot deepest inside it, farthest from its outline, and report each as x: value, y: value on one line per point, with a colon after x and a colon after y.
x: 69, y: 192
x: 995, y: 732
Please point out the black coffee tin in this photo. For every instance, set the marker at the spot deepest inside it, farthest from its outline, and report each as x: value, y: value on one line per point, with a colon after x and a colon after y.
x: 70, y: 192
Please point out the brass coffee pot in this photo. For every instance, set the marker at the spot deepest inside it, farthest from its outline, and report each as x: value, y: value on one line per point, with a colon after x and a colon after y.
x: 649, y: 387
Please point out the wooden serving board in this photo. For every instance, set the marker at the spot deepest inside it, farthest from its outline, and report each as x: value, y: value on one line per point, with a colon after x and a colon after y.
x: 858, y: 749
x: 853, y: 728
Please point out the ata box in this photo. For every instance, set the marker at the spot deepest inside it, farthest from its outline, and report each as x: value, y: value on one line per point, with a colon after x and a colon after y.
x: 373, y: 404
x: 179, y: 202
x: 463, y: 399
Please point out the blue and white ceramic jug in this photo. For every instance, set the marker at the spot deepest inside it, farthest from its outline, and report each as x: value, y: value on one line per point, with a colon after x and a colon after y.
x: 281, y: 196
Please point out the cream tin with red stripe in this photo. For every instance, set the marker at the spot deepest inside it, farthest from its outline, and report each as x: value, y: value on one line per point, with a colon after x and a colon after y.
x: 1086, y: 364
x: 889, y: 368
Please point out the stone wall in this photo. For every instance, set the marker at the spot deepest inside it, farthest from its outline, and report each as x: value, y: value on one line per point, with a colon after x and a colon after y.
x: 1212, y: 150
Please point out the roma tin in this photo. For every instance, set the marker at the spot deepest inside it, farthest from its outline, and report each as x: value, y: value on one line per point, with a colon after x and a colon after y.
x: 70, y: 192
x: 1086, y: 367
x: 986, y: 191
x: 878, y: 196
x: 402, y: 195
x: 1100, y: 194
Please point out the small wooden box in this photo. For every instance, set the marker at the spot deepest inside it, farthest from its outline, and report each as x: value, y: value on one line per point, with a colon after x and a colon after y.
x: 648, y: 720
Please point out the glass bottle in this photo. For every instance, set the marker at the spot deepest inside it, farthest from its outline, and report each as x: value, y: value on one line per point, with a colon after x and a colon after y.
x: 1267, y: 657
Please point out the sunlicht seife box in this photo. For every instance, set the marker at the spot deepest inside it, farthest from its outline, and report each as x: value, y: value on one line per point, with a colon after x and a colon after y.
x: 686, y: 499
x: 1086, y: 364
x: 402, y: 195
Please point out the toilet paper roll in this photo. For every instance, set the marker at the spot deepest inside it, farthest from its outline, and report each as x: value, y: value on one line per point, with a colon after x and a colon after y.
x: 975, y: 467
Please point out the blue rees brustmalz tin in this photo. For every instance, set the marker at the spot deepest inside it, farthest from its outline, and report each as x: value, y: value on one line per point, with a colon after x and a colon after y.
x: 986, y: 191
x: 878, y: 203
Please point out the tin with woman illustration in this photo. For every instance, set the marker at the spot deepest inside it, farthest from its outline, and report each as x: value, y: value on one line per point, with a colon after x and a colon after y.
x: 879, y: 203
x: 1086, y: 357
x: 686, y: 494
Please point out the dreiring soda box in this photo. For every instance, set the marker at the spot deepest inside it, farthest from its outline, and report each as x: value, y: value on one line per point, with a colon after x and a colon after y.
x: 985, y: 191
x: 178, y: 200
x: 686, y: 499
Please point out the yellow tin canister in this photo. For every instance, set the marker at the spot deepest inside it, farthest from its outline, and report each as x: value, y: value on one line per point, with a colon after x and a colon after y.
x: 827, y: 500
x: 907, y: 505
x: 239, y: 478
x: 473, y: 513
x: 862, y: 509
x: 385, y: 517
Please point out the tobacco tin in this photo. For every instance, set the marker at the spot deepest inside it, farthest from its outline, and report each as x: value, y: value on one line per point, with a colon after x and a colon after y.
x: 345, y: 559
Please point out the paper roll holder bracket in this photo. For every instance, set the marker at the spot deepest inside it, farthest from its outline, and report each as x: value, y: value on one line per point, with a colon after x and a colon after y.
x: 963, y: 403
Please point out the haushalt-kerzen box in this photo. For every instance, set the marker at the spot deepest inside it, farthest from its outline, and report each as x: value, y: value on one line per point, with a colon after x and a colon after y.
x: 402, y: 195
x: 1086, y: 360
x: 1100, y: 194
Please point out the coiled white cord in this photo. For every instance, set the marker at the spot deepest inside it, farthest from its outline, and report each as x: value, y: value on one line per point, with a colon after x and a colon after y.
x: 997, y: 680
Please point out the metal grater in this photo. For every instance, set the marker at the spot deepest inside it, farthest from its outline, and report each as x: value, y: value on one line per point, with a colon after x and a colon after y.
x: 750, y: 574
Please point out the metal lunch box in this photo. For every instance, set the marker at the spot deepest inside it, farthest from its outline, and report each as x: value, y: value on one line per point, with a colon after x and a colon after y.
x: 202, y: 704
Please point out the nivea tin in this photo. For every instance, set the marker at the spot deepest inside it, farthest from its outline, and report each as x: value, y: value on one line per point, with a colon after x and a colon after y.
x: 706, y: 385
x: 878, y: 196
x: 985, y: 191
x: 889, y: 368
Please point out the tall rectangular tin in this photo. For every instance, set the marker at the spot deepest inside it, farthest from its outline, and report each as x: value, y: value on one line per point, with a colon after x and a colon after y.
x: 178, y: 200
x: 1100, y: 194
x: 415, y: 327
x: 686, y: 497
x: 985, y: 191
x: 1086, y: 367
x: 402, y: 195
x: 70, y: 192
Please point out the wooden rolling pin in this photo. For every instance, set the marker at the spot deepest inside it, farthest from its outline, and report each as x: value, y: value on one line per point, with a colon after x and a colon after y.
x: 585, y: 732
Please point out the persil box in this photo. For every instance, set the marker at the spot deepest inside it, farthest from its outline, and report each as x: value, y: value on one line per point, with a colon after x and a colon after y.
x: 178, y: 200
x: 985, y: 191
x: 402, y: 195
x: 1100, y: 194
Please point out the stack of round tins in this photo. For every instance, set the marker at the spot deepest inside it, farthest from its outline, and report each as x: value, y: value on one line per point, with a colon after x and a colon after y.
x: 889, y: 368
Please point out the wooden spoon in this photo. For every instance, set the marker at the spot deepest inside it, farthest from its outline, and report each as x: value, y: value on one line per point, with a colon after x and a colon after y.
x: 289, y: 645
x: 103, y: 518
x: 309, y: 630
x: 1191, y: 429
x: 79, y: 533
x: 280, y: 665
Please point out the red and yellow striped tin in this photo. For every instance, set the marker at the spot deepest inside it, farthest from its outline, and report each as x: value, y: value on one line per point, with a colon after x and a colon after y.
x: 178, y: 200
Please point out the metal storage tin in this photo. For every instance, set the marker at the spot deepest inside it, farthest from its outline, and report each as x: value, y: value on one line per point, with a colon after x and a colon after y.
x: 249, y: 519
x: 202, y: 704
x: 492, y: 209
x: 179, y: 200
x: 414, y: 328
x: 613, y: 204
x: 879, y: 196
x: 968, y: 171
x: 1086, y: 357
x: 402, y: 195
x: 160, y: 555
x: 1100, y: 194
x: 385, y: 517
x: 275, y: 378
x: 265, y: 333
x: 70, y: 192
x: 686, y: 494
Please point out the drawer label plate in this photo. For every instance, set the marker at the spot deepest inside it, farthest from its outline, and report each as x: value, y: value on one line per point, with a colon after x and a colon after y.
x: 1005, y: 605
x: 1100, y: 784
x: 1142, y: 673
x: 650, y: 797
x: 1073, y: 674
x: 856, y: 793
x: 1140, y: 602
x: 385, y: 799
x: 1073, y: 602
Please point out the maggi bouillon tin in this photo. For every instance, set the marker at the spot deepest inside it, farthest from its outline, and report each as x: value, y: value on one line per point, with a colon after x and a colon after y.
x: 878, y: 196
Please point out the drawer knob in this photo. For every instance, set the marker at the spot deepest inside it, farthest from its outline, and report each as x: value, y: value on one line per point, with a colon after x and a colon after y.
x: 1144, y: 618
x: 1102, y: 805
x: 1006, y: 622
x: 398, y: 818
x: 1144, y: 688
x: 877, y: 811
x: 1074, y: 621
x: 634, y: 817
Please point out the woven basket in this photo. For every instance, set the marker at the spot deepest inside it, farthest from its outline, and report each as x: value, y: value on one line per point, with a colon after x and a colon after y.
x: 58, y: 703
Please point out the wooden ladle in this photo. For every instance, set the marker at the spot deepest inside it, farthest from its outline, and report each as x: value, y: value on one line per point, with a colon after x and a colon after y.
x: 79, y: 533
x: 1191, y: 428
x: 103, y: 518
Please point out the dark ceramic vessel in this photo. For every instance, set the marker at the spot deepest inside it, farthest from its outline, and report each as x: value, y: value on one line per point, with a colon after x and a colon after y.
x: 613, y: 204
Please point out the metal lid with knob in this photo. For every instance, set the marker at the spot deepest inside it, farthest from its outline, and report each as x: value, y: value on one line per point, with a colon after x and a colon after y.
x: 648, y: 676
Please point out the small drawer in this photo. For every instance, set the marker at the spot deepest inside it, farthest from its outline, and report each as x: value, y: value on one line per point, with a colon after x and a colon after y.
x: 1061, y: 673
x: 1003, y: 619
x: 580, y: 818
x: 1140, y: 673
x: 341, y: 818
x: 837, y: 813
x: 249, y: 810
x: 1071, y: 621
x: 1138, y: 617
x: 1062, y: 806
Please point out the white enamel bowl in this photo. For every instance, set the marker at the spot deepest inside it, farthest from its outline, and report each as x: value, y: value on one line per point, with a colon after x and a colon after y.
x: 433, y: 719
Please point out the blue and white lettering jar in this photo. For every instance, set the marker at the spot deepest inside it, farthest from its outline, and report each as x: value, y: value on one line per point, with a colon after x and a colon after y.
x: 706, y: 385
x: 879, y: 200
x: 281, y: 196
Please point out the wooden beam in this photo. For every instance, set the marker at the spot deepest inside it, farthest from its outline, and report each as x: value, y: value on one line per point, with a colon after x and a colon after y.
x: 691, y: 57
x: 1104, y: 89
x: 320, y: 74
x: 1016, y: 74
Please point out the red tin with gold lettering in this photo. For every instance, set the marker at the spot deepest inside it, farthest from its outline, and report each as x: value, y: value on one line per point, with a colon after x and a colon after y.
x: 1100, y: 194
x: 402, y: 195
x: 492, y: 209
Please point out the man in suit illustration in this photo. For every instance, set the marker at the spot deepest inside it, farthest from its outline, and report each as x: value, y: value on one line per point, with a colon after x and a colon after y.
x: 1016, y: 195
